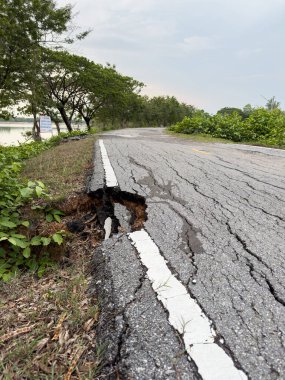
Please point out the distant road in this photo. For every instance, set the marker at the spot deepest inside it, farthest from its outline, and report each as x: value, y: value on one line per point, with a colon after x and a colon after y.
x: 216, y: 214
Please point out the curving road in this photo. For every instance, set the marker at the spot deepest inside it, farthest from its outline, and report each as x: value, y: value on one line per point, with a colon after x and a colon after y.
x: 216, y: 212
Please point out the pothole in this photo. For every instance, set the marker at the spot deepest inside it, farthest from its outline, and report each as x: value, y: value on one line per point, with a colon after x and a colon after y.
x: 108, y: 209
x: 127, y: 211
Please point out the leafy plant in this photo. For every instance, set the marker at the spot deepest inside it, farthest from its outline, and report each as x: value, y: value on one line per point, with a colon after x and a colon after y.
x: 261, y: 126
x: 20, y: 246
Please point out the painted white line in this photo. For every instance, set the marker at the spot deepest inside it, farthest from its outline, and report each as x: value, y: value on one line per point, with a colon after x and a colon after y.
x: 111, y: 180
x: 108, y: 227
x: 185, y: 315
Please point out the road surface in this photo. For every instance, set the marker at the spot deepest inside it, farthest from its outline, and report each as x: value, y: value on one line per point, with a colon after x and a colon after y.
x: 216, y: 218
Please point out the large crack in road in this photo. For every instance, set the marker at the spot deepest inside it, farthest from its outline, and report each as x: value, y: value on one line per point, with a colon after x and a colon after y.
x: 210, y: 240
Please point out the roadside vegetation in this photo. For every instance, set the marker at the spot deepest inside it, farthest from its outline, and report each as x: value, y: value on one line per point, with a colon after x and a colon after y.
x: 46, y: 313
x: 261, y: 126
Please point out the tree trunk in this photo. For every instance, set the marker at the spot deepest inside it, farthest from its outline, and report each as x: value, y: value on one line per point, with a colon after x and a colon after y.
x: 36, y: 129
x: 87, y: 122
x: 65, y: 118
x: 56, y: 122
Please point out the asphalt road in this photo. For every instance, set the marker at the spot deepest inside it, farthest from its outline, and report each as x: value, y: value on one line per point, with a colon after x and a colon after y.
x: 217, y: 214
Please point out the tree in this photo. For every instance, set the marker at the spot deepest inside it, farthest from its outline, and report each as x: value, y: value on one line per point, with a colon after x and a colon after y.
x: 121, y: 98
x: 164, y: 111
x: 64, y: 77
x: 247, y: 110
x: 76, y: 86
x: 272, y: 104
x: 230, y: 110
x: 24, y: 26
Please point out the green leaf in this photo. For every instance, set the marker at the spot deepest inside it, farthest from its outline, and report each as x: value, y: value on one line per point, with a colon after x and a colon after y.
x: 58, y: 212
x: 57, y: 218
x: 36, y: 240
x: 41, y: 271
x: 7, y: 276
x: 25, y: 223
x: 18, y: 236
x: 26, y: 192
x: 18, y: 242
x: 39, y: 191
x: 49, y: 218
x: 57, y: 238
x: 46, y: 241
x: 36, y: 207
x: 7, y: 223
x: 27, y: 252
x: 41, y: 184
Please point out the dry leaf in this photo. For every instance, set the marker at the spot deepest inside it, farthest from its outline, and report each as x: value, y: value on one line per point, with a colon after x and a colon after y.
x: 88, y: 325
x: 42, y: 343
x: 63, y: 337
x: 13, y: 334
x: 74, y: 362
x: 59, y: 326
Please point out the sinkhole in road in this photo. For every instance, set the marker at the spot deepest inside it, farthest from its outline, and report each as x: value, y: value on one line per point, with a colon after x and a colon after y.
x: 111, y: 210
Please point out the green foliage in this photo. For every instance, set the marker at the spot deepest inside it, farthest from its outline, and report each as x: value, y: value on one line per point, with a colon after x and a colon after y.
x: 20, y: 248
x: 227, y: 126
x: 198, y: 123
x: 230, y: 111
x: 261, y: 126
x: 25, y: 25
x: 76, y: 86
x: 272, y: 104
x: 267, y: 127
x: 247, y: 110
x: 162, y: 111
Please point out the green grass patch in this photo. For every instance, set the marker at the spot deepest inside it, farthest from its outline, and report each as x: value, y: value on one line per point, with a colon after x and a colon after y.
x: 200, y: 137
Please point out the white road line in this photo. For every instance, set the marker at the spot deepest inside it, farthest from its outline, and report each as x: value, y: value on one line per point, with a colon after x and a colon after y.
x: 108, y: 227
x: 111, y: 180
x: 185, y: 315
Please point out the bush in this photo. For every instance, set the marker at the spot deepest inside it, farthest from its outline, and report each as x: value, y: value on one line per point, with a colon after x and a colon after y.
x: 228, y: 126
x: 262, y: 126
x: 265, y: 125
x: 20, y: 248
x: 198, y: 123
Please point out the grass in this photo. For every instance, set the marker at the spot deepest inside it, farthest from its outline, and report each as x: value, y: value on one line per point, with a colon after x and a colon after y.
x: 46, y: 329
x: 61, y: 168
x: 200, y: 138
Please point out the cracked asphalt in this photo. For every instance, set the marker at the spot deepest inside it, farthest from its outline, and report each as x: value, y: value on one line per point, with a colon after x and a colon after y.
x: 217, y: 214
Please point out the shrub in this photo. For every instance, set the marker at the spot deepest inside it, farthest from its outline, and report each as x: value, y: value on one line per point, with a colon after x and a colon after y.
x: 228, y: 126
x: 262, y: 126
x: 19, y: 246
x: 198, y: 123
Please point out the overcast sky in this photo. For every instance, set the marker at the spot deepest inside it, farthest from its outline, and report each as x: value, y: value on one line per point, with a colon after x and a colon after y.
x: 208, y: 53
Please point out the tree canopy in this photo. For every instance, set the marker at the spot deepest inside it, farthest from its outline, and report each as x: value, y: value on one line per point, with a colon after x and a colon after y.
x: 25, y: 25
